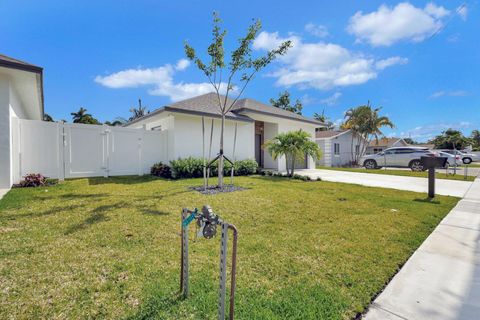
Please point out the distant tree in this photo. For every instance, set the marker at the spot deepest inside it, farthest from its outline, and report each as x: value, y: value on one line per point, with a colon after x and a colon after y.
x: 119, y: 121
x: 410, y: 141
x: 241, y: 69
x: 47, y: 117
x: 365, y: 122
x: 323, y: 118
x: 81, y: 116
x: 451, y: 139
x: 283, y: 102
x: 138, y: 112
x: 476, y: 138
x: 294, y: 145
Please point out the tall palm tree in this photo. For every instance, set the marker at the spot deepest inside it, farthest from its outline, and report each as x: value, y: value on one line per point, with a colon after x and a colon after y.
x: 293, y: 145
x: 366, y: 123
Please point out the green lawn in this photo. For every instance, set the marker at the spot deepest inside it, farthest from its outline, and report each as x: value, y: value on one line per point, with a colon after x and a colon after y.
x: 109, y: 248
x: 407, y: 173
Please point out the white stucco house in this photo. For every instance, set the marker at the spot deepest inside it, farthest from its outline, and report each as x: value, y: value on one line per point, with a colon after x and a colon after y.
x: 256, y: 123
x: 21, y: 96
x: 337, y: 147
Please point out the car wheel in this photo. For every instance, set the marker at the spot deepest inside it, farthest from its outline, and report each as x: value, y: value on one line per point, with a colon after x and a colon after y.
x: 416, y: 165
x: 467, y: 160
x: 370, y: 164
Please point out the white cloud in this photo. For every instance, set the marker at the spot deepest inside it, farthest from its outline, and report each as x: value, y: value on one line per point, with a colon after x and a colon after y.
x: 457, y: 93
x: 385, y: 63
x: 182, y: 64
x: 332, y: 100
x: 427, y: 132
x: 388, y: 25
x: 462, y: 11
x: 317, y: 30
x: 319, y: 65
x: 160, y: 80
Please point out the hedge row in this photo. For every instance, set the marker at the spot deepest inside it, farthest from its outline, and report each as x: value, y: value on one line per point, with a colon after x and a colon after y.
x: 193, y: 168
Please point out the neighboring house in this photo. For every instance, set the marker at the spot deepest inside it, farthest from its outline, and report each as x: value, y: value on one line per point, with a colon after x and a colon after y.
x: 255, y: 122
x: 337, y: 147
x: 430, y: 146
x: 21, y: 97
x: 384, y: 143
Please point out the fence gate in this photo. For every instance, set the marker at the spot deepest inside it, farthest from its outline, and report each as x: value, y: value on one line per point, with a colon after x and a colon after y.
x: 70, y: 150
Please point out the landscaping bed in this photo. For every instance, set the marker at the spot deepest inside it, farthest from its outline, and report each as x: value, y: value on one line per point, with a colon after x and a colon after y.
x: 109, y: 248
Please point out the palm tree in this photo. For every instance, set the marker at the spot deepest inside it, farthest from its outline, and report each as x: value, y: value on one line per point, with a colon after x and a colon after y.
x: 138, y: 112
x: 81, y: 116
x: 293, y: 145
x: 365, y: 123
x: 323, y: 118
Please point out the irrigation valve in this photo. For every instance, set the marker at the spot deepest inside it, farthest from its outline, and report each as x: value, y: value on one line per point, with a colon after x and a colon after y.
x: 207, y: 222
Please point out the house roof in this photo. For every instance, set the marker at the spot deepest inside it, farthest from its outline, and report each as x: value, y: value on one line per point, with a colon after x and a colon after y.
x: 207, y: 105
x: 329, y: 133
x: 384, y: 142
x: 13, y: 63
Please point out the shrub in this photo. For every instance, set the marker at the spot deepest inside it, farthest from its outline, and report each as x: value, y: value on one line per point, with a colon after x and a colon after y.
x: 193, y: 168
x: 161, y: 170
x: 187, y: 168
x: 33, y: 180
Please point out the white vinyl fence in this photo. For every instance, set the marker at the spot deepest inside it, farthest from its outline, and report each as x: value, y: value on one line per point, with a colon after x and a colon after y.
x: 70, y: 150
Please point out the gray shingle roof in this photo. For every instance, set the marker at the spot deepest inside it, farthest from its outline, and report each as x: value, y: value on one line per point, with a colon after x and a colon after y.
x: 207, y: 104
x: 9, y: 62
x: 329, y: 133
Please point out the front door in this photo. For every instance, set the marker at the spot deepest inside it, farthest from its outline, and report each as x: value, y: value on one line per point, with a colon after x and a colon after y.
x: 258, y: 149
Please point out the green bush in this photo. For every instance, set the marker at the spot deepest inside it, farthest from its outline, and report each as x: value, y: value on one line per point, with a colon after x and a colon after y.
x: 161, y: 170
x: 187, y: 168
x: 193, y: 168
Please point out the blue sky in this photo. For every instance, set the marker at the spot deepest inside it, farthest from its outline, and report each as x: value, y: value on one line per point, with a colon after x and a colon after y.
x: 419, y: 60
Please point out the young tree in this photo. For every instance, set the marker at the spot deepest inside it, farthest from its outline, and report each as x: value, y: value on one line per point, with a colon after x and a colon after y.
x: 293, y: 145
x: 283, y: 102
x: 365, y: 123
x: 119, y: 121
x: 238, y: 72
x: 81, y: 116
x: 138, y: 112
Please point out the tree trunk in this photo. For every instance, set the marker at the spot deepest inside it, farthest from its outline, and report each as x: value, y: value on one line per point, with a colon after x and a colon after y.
x: 293, y: 166
x: 220, y: 159
x: 286, y: 164
x: 351, y: 148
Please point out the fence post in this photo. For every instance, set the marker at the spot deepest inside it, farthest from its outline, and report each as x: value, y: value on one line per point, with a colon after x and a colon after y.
x: 62, y: 143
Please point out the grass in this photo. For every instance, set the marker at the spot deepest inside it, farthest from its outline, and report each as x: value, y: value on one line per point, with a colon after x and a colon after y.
x: 407, y: 173
x: 109, y: 248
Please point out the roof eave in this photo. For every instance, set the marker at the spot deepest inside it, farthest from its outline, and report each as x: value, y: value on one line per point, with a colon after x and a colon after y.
x: 313, y: 122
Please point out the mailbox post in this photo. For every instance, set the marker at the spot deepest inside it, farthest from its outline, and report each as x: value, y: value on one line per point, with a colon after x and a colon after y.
x: 431, y: 163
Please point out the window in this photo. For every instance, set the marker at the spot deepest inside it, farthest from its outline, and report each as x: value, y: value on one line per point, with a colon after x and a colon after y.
x: 377, y: 150
x: 336, y: 148
x: 403, y: 151
x: 357, y: 149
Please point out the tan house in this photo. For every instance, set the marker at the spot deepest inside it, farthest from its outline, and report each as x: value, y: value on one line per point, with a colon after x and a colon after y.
x: 384, y: 143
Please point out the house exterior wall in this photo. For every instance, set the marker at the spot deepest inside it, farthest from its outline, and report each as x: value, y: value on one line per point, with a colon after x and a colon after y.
x: 344, y: 157
x: 188, y: 138
x: 5, y: 133
x: 271, y: 130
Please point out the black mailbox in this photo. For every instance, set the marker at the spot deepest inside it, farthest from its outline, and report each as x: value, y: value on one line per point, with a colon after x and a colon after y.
x: 433, y: 162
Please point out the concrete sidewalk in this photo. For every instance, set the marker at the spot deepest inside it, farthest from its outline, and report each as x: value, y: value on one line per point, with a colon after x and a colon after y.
x: 441, y: 280
x: 443, y: 187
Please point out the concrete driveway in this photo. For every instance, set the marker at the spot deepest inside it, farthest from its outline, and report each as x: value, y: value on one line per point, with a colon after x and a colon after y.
x: 443, y: 187
x: 441, y: 280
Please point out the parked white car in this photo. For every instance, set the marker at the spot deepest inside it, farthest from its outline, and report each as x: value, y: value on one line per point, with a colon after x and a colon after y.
x: 452, y: 160
x: 467, y: 158
x: 400, y: 157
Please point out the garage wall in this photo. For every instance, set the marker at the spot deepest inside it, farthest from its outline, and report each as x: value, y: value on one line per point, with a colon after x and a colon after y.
x: 286, y: 126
